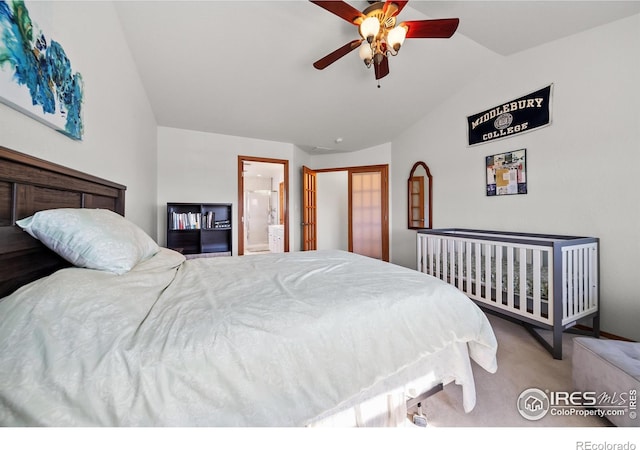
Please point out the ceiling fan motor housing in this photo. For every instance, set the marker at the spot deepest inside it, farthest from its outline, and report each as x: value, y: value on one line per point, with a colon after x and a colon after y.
x: 377, y: 10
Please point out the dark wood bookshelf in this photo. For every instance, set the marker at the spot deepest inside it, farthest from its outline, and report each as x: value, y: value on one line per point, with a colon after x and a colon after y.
x: 194, y: 228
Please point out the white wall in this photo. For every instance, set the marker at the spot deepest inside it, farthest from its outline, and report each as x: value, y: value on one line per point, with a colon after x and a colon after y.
x: 197, y: 167
x: 119, y: 141
x: 380, y: 154
x: 333, y: 210
x: 581, y: 170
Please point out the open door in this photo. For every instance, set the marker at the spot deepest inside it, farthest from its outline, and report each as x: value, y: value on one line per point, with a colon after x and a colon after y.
x: 368, y: 211
x: 309, y: 210
x: 274, y: 169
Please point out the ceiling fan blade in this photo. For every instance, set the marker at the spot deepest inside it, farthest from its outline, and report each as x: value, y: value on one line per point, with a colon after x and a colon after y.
x: 337, y: 54
x: 342, y: 9
x: 382, y: 69
x: 390, y: 10
x: 438, y: 28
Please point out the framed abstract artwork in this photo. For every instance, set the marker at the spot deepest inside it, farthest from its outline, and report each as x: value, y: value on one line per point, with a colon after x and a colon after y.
x: 507, y: 173
x: 36, y: 77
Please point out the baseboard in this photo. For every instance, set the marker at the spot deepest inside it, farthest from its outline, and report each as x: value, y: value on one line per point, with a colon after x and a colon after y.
x: 604, y: 333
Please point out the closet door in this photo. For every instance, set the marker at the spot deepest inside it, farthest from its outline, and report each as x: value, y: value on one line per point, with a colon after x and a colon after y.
x: 368, y: 219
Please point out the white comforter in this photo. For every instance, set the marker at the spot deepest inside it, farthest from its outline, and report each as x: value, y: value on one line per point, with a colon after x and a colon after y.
x: 271, y: 340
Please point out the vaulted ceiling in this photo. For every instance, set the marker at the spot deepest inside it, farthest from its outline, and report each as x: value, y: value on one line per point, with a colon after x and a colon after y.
x: 244, y: 68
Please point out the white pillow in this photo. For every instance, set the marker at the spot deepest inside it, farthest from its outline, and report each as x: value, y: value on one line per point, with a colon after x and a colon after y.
x: 91, y: 238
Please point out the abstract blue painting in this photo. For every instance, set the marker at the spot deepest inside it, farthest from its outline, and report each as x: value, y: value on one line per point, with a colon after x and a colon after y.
x: 36, y: 77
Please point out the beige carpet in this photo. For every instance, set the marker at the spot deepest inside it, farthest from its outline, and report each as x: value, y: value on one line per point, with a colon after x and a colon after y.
x: 522, y: 363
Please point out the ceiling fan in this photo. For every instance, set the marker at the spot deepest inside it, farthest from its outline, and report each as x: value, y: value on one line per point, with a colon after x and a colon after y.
x: 380, y: 37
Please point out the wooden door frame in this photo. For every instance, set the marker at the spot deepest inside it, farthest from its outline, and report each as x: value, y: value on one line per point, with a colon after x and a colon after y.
x: 241, y: 160
x: 384, y: 170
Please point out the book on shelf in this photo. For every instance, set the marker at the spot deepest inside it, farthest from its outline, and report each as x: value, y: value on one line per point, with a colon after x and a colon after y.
x: 186, y: 221
x: 222, y: 223
x: 209, y: 219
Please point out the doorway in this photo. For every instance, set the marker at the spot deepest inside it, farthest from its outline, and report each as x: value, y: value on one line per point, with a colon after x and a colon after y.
x: 263, y: 212
x: 367, y: 192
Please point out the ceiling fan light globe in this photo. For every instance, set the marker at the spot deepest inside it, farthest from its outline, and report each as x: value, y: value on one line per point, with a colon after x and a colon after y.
x: 396, y: 37
x: 365, y: 52
x: 369, y: 28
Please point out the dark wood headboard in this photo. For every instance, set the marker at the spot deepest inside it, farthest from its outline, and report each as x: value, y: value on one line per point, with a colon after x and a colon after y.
x: 28, y: 185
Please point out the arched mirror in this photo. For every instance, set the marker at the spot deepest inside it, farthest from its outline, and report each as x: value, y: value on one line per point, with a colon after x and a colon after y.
x: 420, y: 187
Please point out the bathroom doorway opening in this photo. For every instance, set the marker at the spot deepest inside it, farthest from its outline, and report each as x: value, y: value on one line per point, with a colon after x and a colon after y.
x: 263, y: 213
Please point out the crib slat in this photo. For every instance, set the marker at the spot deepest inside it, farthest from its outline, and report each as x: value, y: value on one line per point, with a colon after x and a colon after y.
x: 565, y: 289
x: 498, y: 256
x: 581, y: 271
x: 426, y: 250
x: 570, y: 282
x: 586, y: 272
x: 425, y: 255
x: 592, y: 280
x: 478, y: 261
x: 452, y: 261
x: 584, y: 256
x: 443, y: 258
x: 432, y: 255
x: 523, y: 279
x: 468, y: 269
x: 486, y: 264
x: 436, y: 258
x: 550, y: 288
x: 536, y: 283
x: 575, y: 282
x: 510, y: 277
x: 459, y: 278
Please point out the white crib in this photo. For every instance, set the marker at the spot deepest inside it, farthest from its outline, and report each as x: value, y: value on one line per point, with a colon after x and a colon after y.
x: 543, y: 281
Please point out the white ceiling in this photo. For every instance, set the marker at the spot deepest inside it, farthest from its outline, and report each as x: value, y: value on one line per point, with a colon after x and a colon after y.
x: 244, y: 68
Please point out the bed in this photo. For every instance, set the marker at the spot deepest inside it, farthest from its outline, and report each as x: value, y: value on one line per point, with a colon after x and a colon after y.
x: 546, y: 282
x: 126, y: 333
